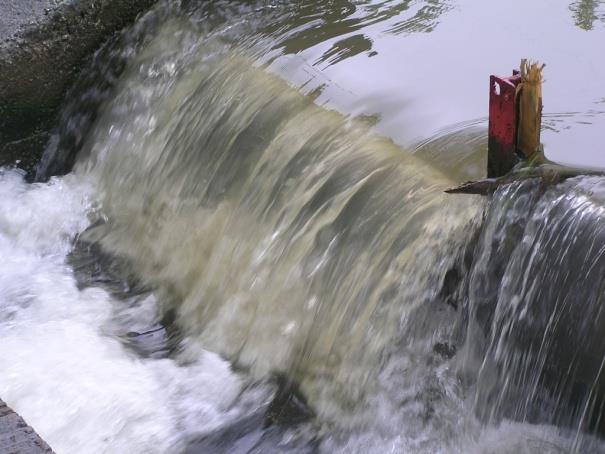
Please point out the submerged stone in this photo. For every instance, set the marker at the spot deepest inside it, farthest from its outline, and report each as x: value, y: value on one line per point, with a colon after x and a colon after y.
x: 275, y: 427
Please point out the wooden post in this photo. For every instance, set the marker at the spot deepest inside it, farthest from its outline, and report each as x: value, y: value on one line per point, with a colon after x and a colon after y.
x: 515, y: 116
x: 529, y: 95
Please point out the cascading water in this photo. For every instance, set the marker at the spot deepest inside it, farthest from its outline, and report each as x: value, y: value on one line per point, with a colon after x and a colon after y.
x: 230, y: 231
x: 536, y: 292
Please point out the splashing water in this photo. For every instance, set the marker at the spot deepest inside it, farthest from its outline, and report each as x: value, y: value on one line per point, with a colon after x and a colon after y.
x: 256, y: 234
x: 110, y: 401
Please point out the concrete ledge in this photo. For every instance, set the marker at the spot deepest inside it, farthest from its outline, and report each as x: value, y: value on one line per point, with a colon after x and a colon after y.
x: 16, y: 437
x: 43, y: 44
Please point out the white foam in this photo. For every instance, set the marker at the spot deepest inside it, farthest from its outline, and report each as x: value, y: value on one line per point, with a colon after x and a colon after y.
x: 80, y: 389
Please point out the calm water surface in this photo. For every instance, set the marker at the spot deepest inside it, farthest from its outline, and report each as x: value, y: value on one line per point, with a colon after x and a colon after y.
x: 417, y: 67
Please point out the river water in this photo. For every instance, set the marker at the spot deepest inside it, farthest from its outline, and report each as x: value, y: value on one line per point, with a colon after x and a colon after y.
x: 254, y: 253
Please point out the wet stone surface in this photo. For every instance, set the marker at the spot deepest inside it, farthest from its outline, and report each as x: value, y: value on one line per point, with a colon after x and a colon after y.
x: 16, y: 437
x: 43, y: 45
x: 278, y: 427
x: 156, y: 338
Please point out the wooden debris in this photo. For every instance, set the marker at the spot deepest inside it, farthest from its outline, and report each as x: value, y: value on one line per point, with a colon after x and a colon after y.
x: 520, y: 136
x: 529, y: 100
x: 548, y: 173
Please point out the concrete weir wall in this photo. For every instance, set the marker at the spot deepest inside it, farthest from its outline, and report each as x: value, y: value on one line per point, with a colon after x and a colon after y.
x: 16, y: 437
x: 43, y: 44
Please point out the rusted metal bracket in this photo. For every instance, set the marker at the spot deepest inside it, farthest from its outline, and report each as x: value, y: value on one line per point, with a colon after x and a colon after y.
x: 515, y: 112
x: 503, y: 125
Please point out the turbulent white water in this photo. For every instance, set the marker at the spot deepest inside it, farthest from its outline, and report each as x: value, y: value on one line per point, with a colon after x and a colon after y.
x: 60, y: 367
x: 66, y: 372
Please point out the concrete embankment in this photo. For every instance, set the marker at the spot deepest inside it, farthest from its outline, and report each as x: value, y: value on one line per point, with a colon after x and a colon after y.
x: 16, y: 437
x: 43, y: 44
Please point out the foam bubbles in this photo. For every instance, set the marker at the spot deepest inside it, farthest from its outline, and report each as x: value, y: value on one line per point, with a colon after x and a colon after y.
x: 77, y: 385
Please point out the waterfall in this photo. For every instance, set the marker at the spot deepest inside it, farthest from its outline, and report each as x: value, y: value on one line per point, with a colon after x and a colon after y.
x: 283, y: 236
x: 259, y: 238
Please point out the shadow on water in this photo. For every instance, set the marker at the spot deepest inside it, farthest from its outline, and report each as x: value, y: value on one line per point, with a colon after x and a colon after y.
x: 311, y: 23
x: 279, y: 426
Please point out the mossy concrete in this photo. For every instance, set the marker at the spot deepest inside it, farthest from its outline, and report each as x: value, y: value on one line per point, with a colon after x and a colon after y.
x: 43, y: 45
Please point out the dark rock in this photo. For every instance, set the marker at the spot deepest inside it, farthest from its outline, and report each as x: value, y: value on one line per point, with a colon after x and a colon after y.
x: 94, y: 268
x: 288, y: 407
x: 43, y: 44
x: 237, y: 438
x: 154, y: 343
x: 16, y: 437
x: 24, y: 153
x: 451, y: 282
x: 264, y: 430
x: 444, y: 349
